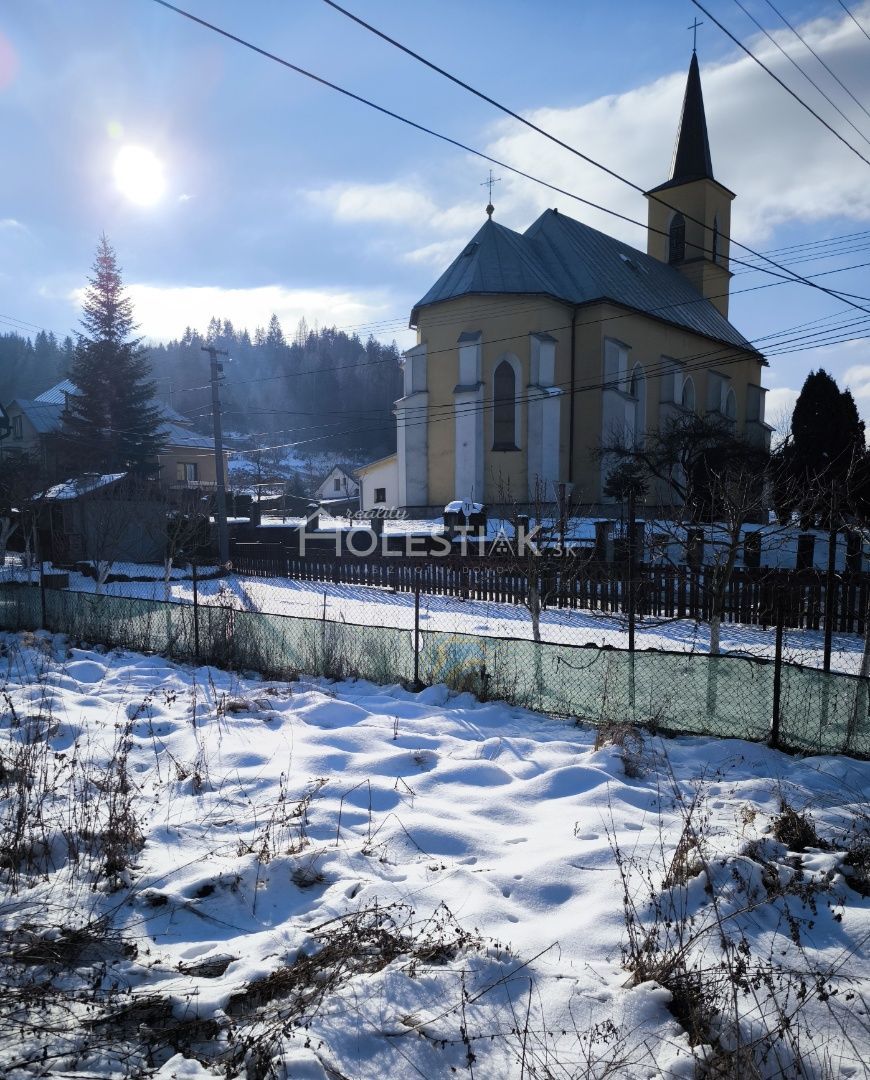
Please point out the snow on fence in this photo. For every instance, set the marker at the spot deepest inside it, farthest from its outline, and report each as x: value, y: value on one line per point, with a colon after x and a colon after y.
x: 668, y: 592
x: 681, y: 693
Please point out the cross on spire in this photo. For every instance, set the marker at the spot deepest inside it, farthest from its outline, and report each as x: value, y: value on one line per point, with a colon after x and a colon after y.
x: 488, y: 183
x: 694, y: 29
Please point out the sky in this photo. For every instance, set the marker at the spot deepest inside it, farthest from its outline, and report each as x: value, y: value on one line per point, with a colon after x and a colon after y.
x: 232, y: 186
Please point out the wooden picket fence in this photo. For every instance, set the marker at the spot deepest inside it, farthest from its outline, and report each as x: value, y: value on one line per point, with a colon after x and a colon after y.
x: 667, y: 592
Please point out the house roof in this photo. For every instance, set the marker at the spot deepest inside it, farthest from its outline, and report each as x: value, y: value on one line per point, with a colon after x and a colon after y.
x: 82, y: 485
x: 374, y: 464
x: 562, y: 258
x: 44, y: 416
x: 176, y: 435
x: 348, y: 471
x: 56, y: 395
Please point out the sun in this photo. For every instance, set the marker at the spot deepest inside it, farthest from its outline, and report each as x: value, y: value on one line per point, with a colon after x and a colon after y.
x: 139, y: 175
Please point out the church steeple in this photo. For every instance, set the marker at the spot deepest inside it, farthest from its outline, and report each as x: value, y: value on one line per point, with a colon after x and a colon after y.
x: 689, y: 215
x: 692, y: 159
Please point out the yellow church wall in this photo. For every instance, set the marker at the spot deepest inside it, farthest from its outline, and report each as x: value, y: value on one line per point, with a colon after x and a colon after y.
x: 505, y: 324
x: 700, y: 201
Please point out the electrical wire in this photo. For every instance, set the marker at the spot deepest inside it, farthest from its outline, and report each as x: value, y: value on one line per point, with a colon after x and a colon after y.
x: 773, y: 76
x: 494, y: 161
x: 805, y: 74
x: 509, y: 337
x: 810, y: 49
x: 854, y: 20
x: 447, y: 413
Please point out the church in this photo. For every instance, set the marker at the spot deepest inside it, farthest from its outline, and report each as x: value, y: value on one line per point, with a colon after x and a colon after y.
x: 534, y: 349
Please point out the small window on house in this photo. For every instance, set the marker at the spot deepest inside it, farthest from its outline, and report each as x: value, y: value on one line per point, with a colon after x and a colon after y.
x: 504, y: 410
x: 805, y: 551
x: 186, y: 472
x: 677, y: 239
x: 17, y: 429
x: 380, y: 495
x: 336, y: 484
x: 752, y: 549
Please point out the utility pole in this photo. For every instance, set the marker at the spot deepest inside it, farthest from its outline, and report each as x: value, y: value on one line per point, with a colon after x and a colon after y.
x: 217, y: 370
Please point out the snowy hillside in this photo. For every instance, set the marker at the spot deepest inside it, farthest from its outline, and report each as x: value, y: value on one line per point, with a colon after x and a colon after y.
x: 205, y: 874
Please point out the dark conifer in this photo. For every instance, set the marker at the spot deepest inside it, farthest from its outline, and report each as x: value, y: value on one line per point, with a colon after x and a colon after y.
x: 111, y: 423
x: 823, y: 454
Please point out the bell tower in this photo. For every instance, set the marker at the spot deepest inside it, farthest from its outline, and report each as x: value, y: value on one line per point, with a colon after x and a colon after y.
x: 689, y: 216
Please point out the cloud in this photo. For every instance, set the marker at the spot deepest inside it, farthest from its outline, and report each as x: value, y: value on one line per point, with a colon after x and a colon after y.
x: 12, y: 224
x: 778, y: 408
x: 394, y: 203
x: 437, y: 255
x: 782, y: 163
x: 857, y: 378
x: 399, y: 202
x: 163, y: 312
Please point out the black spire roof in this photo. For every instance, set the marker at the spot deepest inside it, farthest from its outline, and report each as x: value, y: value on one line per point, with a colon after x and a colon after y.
x: 692, y: 153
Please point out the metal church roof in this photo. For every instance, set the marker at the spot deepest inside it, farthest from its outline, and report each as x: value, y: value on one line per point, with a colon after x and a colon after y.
x: 560, y: 257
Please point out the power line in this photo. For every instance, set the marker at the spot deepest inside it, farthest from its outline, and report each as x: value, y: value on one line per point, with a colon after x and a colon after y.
x: 809, y: 47
x: 721, y: 357
x: 854, y: 20
x: 513, y: 337
x: 777, y: 79
x: 487, y: 157
x: 808, y: 77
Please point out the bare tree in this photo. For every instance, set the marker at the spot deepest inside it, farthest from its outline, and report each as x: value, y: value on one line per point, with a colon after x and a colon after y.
x: 716, y: 484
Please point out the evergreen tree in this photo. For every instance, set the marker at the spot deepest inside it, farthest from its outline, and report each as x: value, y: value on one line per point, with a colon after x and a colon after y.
x: 824, y: 451
x: 111, y: 423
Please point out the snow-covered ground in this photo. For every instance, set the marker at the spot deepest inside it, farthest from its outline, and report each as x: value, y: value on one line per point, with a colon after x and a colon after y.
x: 208, y: 875
x: 381, y: 607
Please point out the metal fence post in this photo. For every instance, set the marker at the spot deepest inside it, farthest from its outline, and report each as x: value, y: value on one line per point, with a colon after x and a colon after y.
x: 830, y: 598
x: 416, y: 628
x: 195, y: 612
x: 42, y: 604
x: 777, y: 673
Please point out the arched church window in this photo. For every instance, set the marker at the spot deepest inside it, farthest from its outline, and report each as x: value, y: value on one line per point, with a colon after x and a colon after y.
x: 677, y: 239
x: 714, y: 252
x: 504, y: 385
x: 687, y: 399
x: 731, y: 406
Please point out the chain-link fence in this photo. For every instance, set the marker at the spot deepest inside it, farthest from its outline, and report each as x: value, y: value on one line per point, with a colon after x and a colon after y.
x: 678, y: 692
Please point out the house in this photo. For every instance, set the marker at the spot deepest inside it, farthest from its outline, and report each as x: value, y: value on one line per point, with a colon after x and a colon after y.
x: 339, y: 484
x: 379, y: 483
x: 535, y: 349
x: 185, y: 462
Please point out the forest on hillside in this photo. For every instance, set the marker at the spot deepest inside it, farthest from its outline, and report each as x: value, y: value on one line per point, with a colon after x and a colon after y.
x: 325, y: 389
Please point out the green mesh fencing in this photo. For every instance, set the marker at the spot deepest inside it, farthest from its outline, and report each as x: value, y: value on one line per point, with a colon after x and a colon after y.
x: 679, y: 693
x: 272, y: 644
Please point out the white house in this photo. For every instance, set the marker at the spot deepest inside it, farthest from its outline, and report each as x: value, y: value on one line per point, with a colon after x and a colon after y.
x: 379, y: 483
x: 339, y: 483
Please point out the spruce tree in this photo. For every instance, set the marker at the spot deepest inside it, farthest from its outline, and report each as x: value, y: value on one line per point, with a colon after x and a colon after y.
x: 823, y: 454
x: 112, y: 423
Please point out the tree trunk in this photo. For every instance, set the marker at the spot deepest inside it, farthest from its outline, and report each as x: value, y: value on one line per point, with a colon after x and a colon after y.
x: 715, y: 629
x: 167, y: 574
